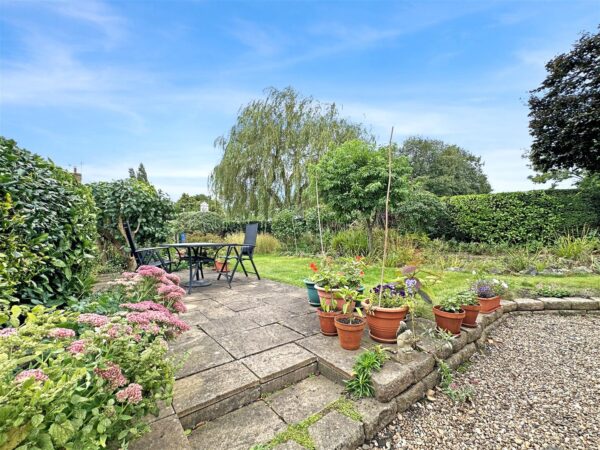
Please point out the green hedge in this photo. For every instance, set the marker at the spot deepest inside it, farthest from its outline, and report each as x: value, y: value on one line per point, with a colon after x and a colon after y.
x: 49, y: 221
x: 520, y: 217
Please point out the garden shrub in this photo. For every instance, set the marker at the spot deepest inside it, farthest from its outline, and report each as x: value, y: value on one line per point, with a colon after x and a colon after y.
x: 287, y: 226
x: 520, y: 217
x: 85, y: 379
x: 147, y: 209
x: 48, y: 228
x: 198, y: 222
x: 266, y: 243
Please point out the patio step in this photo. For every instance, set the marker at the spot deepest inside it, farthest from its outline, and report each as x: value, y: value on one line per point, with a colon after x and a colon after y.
x: 212, y: 393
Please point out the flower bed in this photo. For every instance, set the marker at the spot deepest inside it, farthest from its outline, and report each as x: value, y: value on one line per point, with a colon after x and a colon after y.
x: 82, y: 378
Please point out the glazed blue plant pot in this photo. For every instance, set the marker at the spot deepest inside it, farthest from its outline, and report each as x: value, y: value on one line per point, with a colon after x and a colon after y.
x: 313, y: 295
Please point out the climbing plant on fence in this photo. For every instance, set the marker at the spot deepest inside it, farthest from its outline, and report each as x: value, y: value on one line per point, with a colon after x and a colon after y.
x: 520, y: 217
x: 48, y: 229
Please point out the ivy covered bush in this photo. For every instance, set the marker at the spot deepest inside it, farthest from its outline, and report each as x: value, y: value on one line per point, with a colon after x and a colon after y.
x: 84, y: 379
x: 147, y: 210
x: 520, y: 217
x: 48, y: 228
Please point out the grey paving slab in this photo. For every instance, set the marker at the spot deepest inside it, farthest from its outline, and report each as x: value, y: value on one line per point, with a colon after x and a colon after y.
x: 301, y: 400
x: 165, y: 434
x: 306, y: 324
x: 330, y: 353
x: 555, y: 303
x: 226, y: 325
x: 187, y: 339
x: 336, y: 432
x: 268, y: 314
x: 278, y: 361
x: 243, y: 304
x: 289, y: 445
x: 204, y: 389
x: 164, y: 410
x: 238, y: 430
x: 246, y: 343
x: 528, y: 304
x: 203, y: 353
x: 583, y: 303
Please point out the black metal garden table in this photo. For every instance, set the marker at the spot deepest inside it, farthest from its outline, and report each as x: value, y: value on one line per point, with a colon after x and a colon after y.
x: 195, y: 256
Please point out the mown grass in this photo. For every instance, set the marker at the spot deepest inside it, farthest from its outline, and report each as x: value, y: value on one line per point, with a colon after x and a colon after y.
x: 293, y: 269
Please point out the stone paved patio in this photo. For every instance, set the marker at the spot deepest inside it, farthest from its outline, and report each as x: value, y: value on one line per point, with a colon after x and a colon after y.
x: 258, y: 363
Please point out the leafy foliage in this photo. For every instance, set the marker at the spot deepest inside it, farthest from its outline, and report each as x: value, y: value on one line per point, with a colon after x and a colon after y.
x: 192, y: 203
x: 361, y: 384
x: 265, y: 154
x: 147, y: 209
x: 565, y: 111
x: 520, y: 217
x: 48, y: 230
x: 421, y: 212
x: 353, y: 179
x: 445, y: 169
x: 198, y: 222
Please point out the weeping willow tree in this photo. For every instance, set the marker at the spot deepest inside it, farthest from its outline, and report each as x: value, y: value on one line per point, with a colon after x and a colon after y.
x: 267, y: 152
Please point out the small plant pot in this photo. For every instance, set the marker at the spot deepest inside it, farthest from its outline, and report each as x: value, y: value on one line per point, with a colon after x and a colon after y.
x: 221, y: 266
x: 313, y: 295
x: 450, y: 322
x: 471, y: 313
x: 349, y: 334
x: 384, y: 323
x: 327, y: 322
x: 489, y: 305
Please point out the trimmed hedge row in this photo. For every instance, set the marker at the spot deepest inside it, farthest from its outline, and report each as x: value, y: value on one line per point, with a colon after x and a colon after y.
x: 520, y: 217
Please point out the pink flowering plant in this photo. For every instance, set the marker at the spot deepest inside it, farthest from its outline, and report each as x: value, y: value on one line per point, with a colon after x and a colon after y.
x: 85, y: 377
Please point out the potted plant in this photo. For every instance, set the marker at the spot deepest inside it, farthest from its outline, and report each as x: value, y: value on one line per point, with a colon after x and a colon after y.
x: 489, y: 292
x: 449, y: 314
x: 220, y: 266
x: 350, y: 327
x: 334, y: 277
x: 313, y: 295
x: 470, y: 305
x: 327, y: 314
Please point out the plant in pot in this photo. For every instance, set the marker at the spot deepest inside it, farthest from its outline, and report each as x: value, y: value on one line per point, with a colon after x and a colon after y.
x: 334, y: 277
x: 449, y: 314
x: 350, y: 327
x: 470, y: 305
x: 310, y: 282
x: 489, y: 292
x: 327, y: 313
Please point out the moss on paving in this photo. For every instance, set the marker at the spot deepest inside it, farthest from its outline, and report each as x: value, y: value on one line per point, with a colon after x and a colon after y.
x: 298, y: 432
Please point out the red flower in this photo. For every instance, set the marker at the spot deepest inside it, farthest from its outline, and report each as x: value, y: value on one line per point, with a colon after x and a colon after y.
x: 313, y: 267
x: 358, y: 258
x: 362, y: 274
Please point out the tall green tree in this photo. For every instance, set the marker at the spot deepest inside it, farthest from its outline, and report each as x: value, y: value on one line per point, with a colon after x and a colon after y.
x: 189, y: 202
x: 141, y: 173
x: 267, y: 151
x: 565, y: 113
x: 444, y: 169
x: 353, y: 180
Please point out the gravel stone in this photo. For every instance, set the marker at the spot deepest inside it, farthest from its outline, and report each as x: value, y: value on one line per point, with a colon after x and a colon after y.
x: 536, y: 387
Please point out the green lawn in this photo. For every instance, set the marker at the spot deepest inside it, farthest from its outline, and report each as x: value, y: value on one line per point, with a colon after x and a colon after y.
x: 293, y: 269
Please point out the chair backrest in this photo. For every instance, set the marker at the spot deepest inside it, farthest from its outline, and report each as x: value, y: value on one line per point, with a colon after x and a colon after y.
x: 250, y: 238
x: 129, y: 237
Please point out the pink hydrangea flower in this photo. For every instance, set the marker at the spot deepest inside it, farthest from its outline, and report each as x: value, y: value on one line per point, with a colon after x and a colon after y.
x: 61, y: 333
x: 151, y: 271
x: 131, y: 394
x: 112, y: 374
x: 146, y: 305
x: 96, y: 320
x: 37, y: 374
x: 117, y: 330
x: 6, y: 332
x: 77, y: 347
x: 166, y: 281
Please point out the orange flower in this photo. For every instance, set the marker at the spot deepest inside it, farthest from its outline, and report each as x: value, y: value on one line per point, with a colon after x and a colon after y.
x: 313, y: 267
x: 358, y: 258
x: 362, y: 274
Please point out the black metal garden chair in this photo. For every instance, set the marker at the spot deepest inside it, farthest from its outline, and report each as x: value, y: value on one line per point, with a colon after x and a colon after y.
x: 151, y: 256
x: 245, y: 253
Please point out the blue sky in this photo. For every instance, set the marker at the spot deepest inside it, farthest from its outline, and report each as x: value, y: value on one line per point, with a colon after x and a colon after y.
x: 112, y: 84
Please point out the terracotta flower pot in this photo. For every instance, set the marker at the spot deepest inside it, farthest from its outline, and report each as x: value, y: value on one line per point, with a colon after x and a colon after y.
x: 471, y: 313
x: 326, y: 320
x: 220, y: 266
x: 333, y: 295
x: 313, y: 295
x: 350, y: 334
x: 489, y: 305
x: 384, y: 323
x: 448, y: 321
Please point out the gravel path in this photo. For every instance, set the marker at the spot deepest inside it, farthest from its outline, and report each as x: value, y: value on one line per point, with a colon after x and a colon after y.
x: 537, y: 387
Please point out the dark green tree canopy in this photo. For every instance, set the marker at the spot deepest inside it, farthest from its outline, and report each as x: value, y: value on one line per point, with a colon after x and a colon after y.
x: 565, y: 111
x: 353, y: 180
x: 444, y: 169
x: 192, y: 203
x: 267, y: 151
